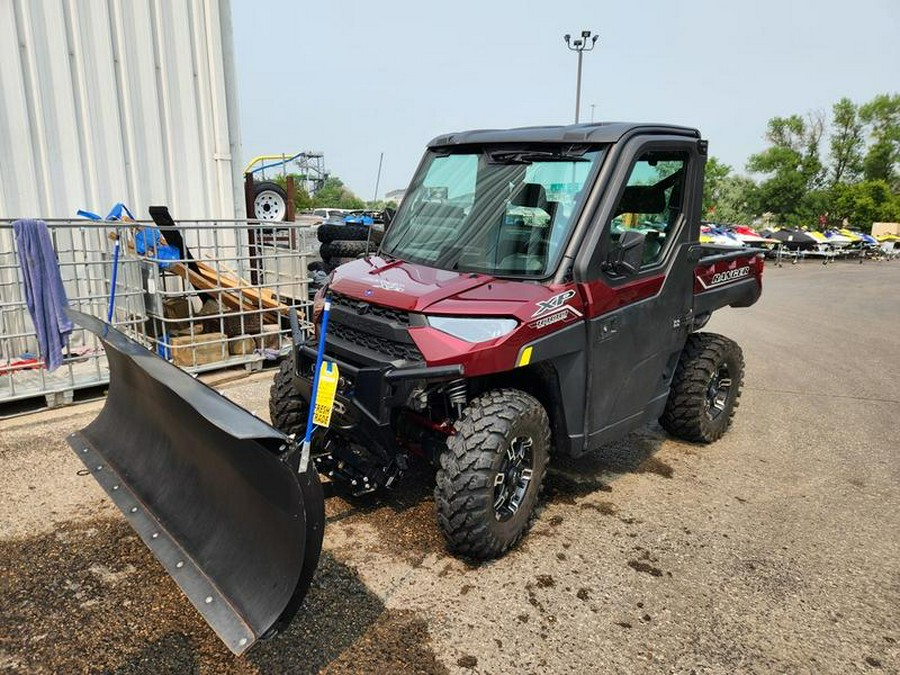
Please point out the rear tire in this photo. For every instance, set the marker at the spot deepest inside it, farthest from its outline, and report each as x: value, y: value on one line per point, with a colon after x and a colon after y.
x: 705, y: 389
x: 287, y: 410
x: 485, y: 499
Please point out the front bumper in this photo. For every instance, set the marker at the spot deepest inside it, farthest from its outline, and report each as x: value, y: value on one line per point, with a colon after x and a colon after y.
x: 367, y: 395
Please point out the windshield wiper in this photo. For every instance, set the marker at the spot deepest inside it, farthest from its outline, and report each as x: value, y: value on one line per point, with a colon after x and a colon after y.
x: 530, y: 156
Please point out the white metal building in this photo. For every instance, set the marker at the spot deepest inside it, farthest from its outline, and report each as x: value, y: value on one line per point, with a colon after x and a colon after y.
x: 105, y: 101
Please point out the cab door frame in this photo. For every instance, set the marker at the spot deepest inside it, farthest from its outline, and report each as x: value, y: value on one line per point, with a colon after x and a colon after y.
x: 637, y: 325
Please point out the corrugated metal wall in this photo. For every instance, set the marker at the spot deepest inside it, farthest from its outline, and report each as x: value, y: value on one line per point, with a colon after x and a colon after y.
x: 118, y: 100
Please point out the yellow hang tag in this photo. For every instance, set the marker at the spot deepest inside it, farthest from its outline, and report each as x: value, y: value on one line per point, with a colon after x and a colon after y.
x: 328, y: 381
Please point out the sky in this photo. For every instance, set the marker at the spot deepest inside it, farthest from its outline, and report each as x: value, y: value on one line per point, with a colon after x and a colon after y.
x: 354, y: 79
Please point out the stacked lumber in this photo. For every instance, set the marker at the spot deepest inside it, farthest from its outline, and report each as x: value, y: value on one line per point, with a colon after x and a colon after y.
x: 229, y: 289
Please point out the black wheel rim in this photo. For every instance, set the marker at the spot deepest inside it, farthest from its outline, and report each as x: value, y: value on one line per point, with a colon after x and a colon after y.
x: 718, y: 392
x: 513, y: 477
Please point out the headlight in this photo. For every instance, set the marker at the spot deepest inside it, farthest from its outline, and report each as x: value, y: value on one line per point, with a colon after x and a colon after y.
x: 472, y: 330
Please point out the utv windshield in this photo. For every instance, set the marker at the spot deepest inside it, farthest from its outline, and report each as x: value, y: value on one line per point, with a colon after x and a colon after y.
x: 501, y: 210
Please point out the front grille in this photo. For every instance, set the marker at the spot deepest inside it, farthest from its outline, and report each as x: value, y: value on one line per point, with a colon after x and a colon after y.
x: 391, y: 348
x: 364, y: 308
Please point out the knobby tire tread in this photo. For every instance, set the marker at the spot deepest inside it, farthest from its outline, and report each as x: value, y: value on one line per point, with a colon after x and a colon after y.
x: 464, y: 489
x: 684, y: 415
x: 287, y: 410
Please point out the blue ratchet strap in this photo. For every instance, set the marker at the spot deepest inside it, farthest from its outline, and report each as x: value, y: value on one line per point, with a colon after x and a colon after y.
x: 112, y: 286
x: 307, y: 441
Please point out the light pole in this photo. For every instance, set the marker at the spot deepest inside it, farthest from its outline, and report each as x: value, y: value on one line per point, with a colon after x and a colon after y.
x: 586, y: 43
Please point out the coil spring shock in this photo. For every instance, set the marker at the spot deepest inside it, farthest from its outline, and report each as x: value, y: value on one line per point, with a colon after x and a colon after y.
x: 456, y: 395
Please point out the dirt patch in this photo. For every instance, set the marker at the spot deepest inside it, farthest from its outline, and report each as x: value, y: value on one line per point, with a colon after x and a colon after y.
x: 561, y: 488
x: 533, y: 600
x: 606, y: 508
x: 645, y: 567
x: 657, y: 466
x: 467, y: 661
x: 403, y: 517
x: 136, y: 620
x: 398, y: 642
x: 545, y: 581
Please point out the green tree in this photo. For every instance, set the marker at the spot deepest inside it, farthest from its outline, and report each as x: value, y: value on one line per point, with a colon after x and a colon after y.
x: 716, y: 173
x: 335, y: 194
x: 882, y: 114
x: 735, y: 201
x: 867, y: 202
x: 791, y: 163
x: 302, y: 200
x: 381, y: 204
x: 847, y: 142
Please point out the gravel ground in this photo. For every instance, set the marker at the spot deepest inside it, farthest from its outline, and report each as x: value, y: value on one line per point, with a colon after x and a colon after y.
x: 777, y: 549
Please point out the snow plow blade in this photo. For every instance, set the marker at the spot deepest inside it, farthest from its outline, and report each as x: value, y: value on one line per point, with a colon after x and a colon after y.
x: 209, y: 489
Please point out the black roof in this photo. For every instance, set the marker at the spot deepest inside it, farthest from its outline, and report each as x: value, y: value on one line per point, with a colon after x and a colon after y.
x: 600, y: 132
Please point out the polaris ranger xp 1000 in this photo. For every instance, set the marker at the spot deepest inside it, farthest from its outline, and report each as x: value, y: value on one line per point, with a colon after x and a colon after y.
x: 539, y: 292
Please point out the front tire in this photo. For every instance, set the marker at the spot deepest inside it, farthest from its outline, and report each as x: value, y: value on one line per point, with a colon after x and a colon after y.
x: 287, y: 410
x: 490, y: 475
x: 705, y: 388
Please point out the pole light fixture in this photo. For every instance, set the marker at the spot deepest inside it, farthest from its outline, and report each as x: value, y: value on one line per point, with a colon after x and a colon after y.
x: 585, y: 43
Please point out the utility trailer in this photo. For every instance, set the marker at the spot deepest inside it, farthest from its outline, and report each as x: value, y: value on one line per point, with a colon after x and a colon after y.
x: 541, y: 291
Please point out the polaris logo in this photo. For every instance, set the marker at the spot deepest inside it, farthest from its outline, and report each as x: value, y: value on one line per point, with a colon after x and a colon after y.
x: 726, y: 276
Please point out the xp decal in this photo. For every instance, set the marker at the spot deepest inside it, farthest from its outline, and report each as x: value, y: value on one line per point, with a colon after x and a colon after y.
x: 558, y: 301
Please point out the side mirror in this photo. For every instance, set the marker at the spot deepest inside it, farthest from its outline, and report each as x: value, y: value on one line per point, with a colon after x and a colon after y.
x: 627, y: 255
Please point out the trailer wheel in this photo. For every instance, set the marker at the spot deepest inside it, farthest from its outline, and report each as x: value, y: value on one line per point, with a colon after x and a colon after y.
x: 269, y: 201
x: 490, y: 475
x: 329, y: 232
x: 705, y: 388
x: 286, y: 409
x: 344, y: 249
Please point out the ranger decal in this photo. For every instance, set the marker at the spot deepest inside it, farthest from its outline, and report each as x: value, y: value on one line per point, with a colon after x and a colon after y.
x: 720, y: 278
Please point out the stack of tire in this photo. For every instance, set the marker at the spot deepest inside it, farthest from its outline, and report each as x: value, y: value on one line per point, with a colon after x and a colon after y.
x: 343, y: 242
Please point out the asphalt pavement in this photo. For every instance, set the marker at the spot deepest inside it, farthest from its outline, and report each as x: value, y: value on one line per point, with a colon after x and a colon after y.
x: 774, y: 550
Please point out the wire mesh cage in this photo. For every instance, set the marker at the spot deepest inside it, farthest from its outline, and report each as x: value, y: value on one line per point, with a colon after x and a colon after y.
x: 203, y: 294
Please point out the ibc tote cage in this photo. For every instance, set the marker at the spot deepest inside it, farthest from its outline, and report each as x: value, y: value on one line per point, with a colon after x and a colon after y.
x: 223, y: 300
